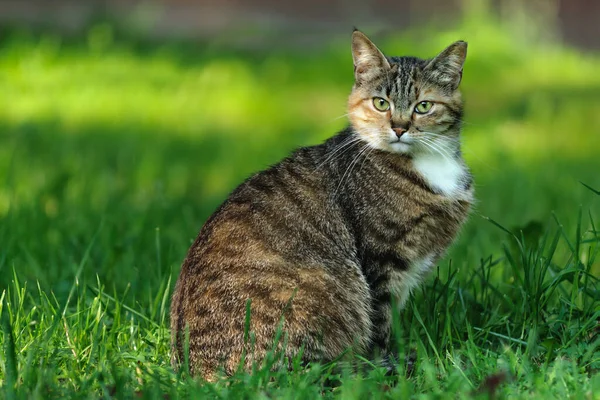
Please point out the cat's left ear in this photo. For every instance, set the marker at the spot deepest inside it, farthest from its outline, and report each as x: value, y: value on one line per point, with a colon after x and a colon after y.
x: 447, y: 67
x: 369, y: 61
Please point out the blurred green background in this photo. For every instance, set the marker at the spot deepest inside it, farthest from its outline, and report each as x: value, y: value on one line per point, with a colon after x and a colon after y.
x: 115, y: 147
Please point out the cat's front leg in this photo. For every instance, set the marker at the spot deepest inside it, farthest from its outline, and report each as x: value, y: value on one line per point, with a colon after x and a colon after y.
x: 384, y: 352
x: 382, y: 322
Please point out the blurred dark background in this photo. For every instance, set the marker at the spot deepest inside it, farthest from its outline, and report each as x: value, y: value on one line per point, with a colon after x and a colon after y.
x: 577, y: 22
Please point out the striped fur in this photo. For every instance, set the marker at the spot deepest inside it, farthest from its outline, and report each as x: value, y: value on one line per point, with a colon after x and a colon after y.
x: 324, y: 240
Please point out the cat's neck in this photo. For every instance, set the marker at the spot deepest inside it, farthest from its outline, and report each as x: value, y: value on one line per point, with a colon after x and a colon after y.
x: 444, y: 173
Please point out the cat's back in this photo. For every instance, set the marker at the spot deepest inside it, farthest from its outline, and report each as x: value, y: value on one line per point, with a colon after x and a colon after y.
x: 286, y: 209
x: 281, y: 241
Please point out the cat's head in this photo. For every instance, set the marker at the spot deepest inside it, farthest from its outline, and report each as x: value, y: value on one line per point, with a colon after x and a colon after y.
x: 406, y: 104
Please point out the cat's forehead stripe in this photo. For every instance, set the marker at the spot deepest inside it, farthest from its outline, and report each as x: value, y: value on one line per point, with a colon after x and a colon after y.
x: 404, y: 84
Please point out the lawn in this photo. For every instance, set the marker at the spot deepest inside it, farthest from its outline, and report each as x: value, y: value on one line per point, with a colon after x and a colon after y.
x: 114, y: 151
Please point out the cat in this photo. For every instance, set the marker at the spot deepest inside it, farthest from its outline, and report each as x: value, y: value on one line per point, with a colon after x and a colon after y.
x: 321, y: 243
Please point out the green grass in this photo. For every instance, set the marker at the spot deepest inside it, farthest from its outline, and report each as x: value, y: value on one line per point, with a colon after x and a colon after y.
x: 114, y: 152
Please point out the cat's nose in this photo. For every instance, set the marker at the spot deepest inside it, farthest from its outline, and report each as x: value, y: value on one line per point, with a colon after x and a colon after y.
x: 399, y: 132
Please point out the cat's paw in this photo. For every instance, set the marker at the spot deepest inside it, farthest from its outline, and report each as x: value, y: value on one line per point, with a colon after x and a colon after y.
x: 391, y: 362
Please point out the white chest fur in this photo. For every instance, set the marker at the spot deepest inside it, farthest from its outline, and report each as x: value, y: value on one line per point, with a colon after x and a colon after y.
x: 443, y: 174
x: 402, y: 283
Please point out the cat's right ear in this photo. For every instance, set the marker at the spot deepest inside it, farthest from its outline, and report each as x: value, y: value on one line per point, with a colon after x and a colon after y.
x: 369, y: 61
x: 447, y: 67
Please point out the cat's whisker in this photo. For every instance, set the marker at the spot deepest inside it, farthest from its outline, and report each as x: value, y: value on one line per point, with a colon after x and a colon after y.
x: 438, y: 148
x: 448, y: 143
x: 348, y: 148
x: 340, y: 117
x: 431, y: 133
x: 350, y: 167
x: 443, y: 150
x: 444, y: 142
x: 464, y: 146
x: 345, y: 115
x: 364, y: 153
x: 369, y: 133
x: 445, y: 137
x: 371, y: 150
x: 348, y: 142
x: 427, y: 145
x: 448, y: 146
x: 434, y: 150
x: 345, y: 146
x: 433, y: 137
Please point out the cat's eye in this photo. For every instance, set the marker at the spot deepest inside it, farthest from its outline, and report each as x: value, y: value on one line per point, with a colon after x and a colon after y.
x: 381, y: 104
x: 423, y: 107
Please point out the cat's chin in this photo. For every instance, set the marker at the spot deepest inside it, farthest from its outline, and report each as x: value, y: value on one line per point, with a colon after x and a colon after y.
x: 400, y: 147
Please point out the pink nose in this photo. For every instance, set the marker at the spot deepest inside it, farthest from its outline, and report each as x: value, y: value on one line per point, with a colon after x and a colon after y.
x: 399, y: 132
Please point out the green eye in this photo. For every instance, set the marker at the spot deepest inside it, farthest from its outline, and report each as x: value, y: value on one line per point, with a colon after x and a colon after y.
x: 423, y: 107
x: 381, y: 104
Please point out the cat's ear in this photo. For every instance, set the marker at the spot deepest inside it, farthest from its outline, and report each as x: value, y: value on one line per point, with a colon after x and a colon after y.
x: 447, y: 67
x: 369, y: 61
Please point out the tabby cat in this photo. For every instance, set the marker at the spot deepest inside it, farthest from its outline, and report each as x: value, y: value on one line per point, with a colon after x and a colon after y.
x: 321, y: 243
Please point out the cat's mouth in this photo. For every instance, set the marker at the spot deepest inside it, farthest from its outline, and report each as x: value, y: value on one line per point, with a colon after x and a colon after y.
x: 400, y: 143
x: 404, y: 139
